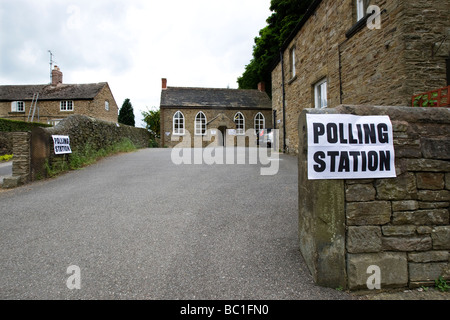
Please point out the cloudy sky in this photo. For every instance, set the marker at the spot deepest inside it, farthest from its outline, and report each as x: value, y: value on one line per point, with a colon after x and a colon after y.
x: 131, y: 44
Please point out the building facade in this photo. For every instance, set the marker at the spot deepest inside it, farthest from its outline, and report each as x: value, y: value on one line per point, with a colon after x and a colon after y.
x: 53, y: 102
x: 343, y: 52
x: 198, y: 117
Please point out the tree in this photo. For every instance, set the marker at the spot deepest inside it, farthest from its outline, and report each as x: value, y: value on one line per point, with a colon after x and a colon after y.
x: 126, y: 113
x: 286, y: 15
x: 152, y: 119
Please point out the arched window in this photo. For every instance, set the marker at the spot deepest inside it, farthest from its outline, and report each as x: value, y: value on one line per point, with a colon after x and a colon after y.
x: 260, y: 122
x: 200, y: 124
x: 178, y: 123
x: 239, y: 120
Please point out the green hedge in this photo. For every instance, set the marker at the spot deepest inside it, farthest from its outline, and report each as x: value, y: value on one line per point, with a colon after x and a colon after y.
x: 7, y: 125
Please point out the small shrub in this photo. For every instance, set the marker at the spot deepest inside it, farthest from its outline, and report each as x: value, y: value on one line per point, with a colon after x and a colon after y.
x: 441, y: 284
x: 153, y: 144
x: 56, y: 168
x: 6, y: 157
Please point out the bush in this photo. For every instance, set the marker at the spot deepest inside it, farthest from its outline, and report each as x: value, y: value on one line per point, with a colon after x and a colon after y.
x: 6, y: 157
x: 153, y: 144
x: 7, y: 125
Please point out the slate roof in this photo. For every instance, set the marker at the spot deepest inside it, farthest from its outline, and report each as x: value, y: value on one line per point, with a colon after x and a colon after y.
x: 48, y: 92
x: 214, y: 98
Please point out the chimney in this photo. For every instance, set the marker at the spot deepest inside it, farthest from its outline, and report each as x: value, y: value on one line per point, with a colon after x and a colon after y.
x: 262, y: 86
x: 164, y: 83
x: 57, y: 76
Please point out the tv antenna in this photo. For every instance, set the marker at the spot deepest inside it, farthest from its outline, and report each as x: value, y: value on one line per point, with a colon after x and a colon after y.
x: 51, y: 64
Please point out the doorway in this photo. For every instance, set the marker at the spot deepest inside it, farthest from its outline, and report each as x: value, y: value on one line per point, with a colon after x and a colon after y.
x: 222, y: 139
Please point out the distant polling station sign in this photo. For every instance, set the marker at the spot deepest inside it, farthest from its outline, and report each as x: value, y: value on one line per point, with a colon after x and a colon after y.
x: 61, y: 144
x: 343, y: 146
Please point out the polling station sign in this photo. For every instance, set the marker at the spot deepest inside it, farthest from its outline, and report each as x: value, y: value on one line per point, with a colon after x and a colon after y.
x: 61, y: 144
x: 343, y: 146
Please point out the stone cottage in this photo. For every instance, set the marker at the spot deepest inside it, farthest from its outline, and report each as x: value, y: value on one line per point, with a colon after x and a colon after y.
x: 57, y: 101
x: 191, y: 112
x: 360, y: 52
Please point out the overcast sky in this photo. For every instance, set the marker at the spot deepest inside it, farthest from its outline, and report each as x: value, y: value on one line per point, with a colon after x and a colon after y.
x: 131, y: 44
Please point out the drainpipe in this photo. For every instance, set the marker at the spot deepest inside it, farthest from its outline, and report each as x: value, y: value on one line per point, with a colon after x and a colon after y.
x: 284, y: 101
x: 340, y: 73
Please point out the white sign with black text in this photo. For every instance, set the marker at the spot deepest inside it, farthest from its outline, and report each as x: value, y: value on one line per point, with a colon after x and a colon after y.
x: 343, y: 146
x: 61, y: 144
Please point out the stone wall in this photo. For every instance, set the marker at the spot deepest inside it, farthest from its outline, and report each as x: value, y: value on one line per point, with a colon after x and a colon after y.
x: 384, y: 66
x: 21, y: 167
x: 34, y: 149
x: 401, y: 225
x: 98, y: 133
x: 8, y: 127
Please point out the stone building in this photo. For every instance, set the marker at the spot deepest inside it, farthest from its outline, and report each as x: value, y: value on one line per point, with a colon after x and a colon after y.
x: 337, y: 55
x: 57, y: 101
x: 191, y: 112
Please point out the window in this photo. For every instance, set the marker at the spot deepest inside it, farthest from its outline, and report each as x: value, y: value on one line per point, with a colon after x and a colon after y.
x: 66, y: 106
x: 107, y: 105
x: 54, y: 122
x: 320, y: 94
x: 259, y: 122
x: 17, y: 106
x: 361, y: 8
x: 200, y: 124
x: 239, y: 120
x: 178, y: 123
x: 292, y: 62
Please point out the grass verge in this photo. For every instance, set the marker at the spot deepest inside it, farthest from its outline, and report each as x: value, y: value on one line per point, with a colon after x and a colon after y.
x: 87, y: 156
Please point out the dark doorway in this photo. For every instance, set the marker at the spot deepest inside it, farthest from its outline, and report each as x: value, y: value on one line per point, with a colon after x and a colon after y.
x: 222, y: 138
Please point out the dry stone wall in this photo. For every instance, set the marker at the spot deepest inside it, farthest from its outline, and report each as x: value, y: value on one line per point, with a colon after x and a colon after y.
x: 34, y: 149
x: 402, y: 224
x: 385, y: 66
x: 98, y: 133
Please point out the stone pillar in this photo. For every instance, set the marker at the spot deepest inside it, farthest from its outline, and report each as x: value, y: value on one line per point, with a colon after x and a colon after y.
x: 321, y: 219
x: 21, y: 160
x: 21, y: 149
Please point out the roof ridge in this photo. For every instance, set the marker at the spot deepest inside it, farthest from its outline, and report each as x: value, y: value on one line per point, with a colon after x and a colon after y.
x: 50, y: 92
x: 205, y: 88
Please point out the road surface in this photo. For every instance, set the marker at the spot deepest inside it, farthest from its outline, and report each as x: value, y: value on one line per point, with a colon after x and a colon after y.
x: 140, y: 227
x: 5, y: 170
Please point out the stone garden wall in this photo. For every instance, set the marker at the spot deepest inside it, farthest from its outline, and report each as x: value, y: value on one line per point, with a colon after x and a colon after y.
x: 33, y: 150
x: 400, y: 224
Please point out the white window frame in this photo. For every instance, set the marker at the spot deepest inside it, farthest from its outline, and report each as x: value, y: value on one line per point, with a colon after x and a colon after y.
x: 18, y: 106
x: 66, y: 105
x: 361, y: 8
x: 260, y: 123
x: 180, y: 121
x: 54, y: 122
x: 106, y: 105
x: 292, y: 62
x: 321, y: 90
x: 200, y: 124
x: 239, y: 120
